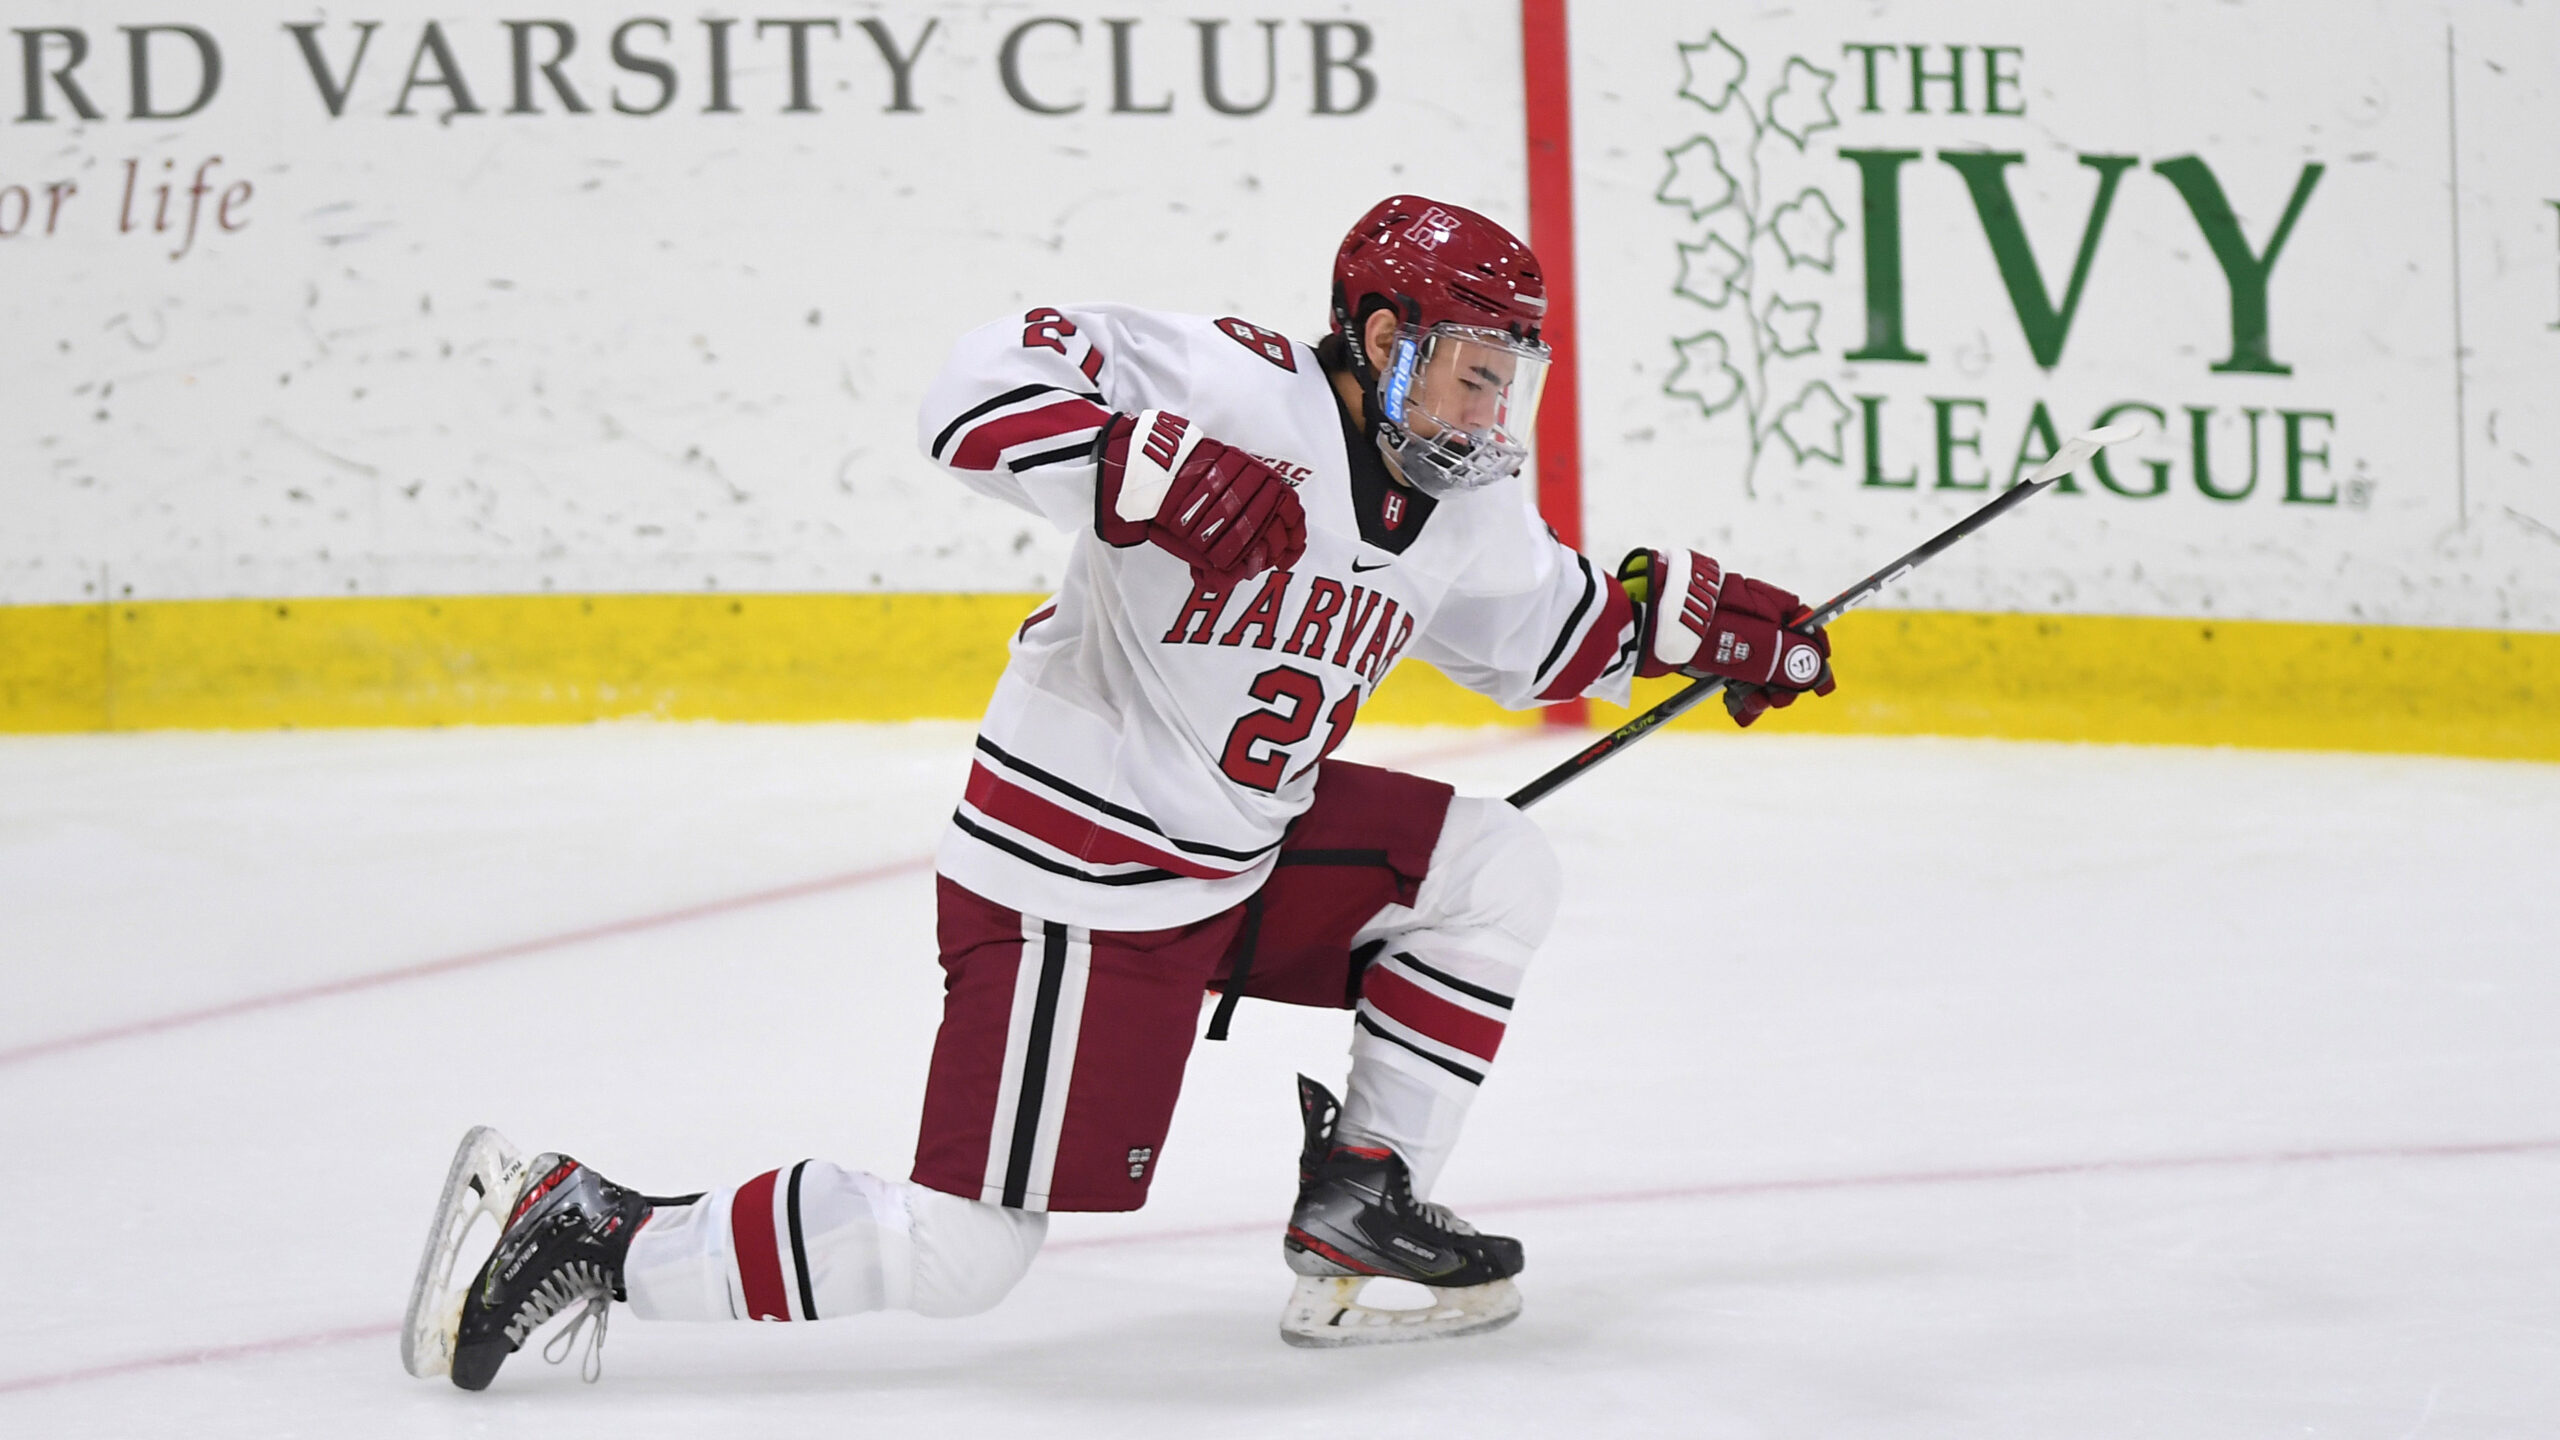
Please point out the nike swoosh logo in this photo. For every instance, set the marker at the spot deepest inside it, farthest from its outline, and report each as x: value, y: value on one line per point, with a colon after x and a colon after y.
x: 1359, y: 569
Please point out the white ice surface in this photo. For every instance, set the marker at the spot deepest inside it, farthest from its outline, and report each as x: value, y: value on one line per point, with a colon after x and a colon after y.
x: 1919, y: 1033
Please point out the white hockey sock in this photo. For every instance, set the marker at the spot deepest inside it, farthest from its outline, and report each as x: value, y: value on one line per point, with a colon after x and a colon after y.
x: 816, y: 1241
x: 1437, y: 998
x: 1386, y: 1104
x: 1421, y: 1045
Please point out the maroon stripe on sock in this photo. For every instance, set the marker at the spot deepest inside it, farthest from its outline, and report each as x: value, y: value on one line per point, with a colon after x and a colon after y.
x: 759, y: 1255
x: 1409, y: 1004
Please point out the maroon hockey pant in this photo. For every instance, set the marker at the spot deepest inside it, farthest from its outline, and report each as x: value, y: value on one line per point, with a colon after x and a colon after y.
x: 1062, y: 1048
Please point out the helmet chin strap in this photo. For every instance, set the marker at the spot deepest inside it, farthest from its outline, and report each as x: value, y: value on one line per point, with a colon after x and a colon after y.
x: 1372, y: 409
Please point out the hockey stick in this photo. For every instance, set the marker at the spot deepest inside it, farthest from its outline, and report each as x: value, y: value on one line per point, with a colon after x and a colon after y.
x: 2075, y: 452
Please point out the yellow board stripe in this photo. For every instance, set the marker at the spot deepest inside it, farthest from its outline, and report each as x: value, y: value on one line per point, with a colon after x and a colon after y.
x: 2121, y: 680
x: 540, y: 659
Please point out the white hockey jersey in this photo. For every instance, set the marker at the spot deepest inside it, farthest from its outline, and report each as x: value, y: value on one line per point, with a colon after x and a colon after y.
x: 1153, y: 737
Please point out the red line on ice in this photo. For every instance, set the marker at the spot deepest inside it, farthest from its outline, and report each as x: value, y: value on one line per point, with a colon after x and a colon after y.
x: 1878, y: 1181
x: 205, y: 1356
x: 1893, y: 1179
x: 353, y: 984
x: 276, y: 999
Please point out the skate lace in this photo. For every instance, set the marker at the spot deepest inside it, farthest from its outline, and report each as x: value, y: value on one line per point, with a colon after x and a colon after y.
x: 576, y: 1281
x: 1444, y: 1217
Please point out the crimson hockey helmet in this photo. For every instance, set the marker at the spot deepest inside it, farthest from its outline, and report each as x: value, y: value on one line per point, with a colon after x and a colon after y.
x: 1456, y: 403
x: 1437, y: 264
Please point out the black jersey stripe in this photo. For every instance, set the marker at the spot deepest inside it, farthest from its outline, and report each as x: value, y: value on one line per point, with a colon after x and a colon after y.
x: 1373, y: 859
x: 1056, y: 867
x: 1490, y: 997
x: 800, y: 1247
x: 1573, y: 622
x: 1472, y: 1077
x: 1081, y: 450
x: 1035, y: 1064
x: 1122, y: 813
x: 1012, y: 396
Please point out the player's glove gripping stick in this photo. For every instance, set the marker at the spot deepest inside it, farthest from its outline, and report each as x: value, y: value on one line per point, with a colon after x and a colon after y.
x: 2075, y: 453
x: 1695, y: 619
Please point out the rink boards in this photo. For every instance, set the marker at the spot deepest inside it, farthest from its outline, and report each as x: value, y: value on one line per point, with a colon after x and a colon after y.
x: 504, y: 660
x: 418, y: 365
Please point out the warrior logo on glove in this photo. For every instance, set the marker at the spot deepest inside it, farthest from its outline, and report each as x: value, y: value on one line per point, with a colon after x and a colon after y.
x: 1726, y: 626
x: 1803, y: 664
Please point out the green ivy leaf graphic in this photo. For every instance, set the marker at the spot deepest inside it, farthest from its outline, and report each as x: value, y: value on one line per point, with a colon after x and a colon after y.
x: 1812, y: 425
x: 1802, y: 103
x: 1807, y: 229
x: 1707, y: 272
x: 1705, y: 374
x: 1698, y: 180
x: 1789, y: 326
x: 1711, y: 70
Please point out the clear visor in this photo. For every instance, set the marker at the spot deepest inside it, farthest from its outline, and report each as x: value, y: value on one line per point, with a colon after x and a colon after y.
x: 1461, y: 405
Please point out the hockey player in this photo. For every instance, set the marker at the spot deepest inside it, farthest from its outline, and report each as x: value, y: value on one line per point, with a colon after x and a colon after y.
x: 1263, y: 529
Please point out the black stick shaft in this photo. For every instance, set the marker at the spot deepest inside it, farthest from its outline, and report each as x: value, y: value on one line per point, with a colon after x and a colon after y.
x: 1853, y: 597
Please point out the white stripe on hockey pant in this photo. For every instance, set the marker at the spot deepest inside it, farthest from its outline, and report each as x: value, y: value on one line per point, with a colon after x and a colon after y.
x: 1017, y: 1042
x: 1064, y: 1030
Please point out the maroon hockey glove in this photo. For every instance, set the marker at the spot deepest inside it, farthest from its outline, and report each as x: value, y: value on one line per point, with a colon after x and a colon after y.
x: 1209, y: 504
x: 1696, y: 620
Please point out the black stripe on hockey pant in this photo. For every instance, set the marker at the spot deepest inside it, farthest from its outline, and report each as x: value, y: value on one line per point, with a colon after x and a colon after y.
x: 1035, y: 1063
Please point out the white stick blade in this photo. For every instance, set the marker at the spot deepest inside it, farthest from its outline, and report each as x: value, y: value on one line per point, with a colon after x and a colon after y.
x: 2080, y: 449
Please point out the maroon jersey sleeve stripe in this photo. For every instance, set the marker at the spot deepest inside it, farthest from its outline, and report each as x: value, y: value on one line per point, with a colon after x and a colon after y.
x: 983, y: 446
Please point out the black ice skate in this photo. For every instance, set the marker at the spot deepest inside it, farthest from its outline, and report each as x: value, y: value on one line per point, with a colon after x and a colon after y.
x: 1357, y: 1220
x: 565, y: 1230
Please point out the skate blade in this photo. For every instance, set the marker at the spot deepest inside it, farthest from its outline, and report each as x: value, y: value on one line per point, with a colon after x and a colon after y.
x: 486, y: 1178
x: 1324, y: 1312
